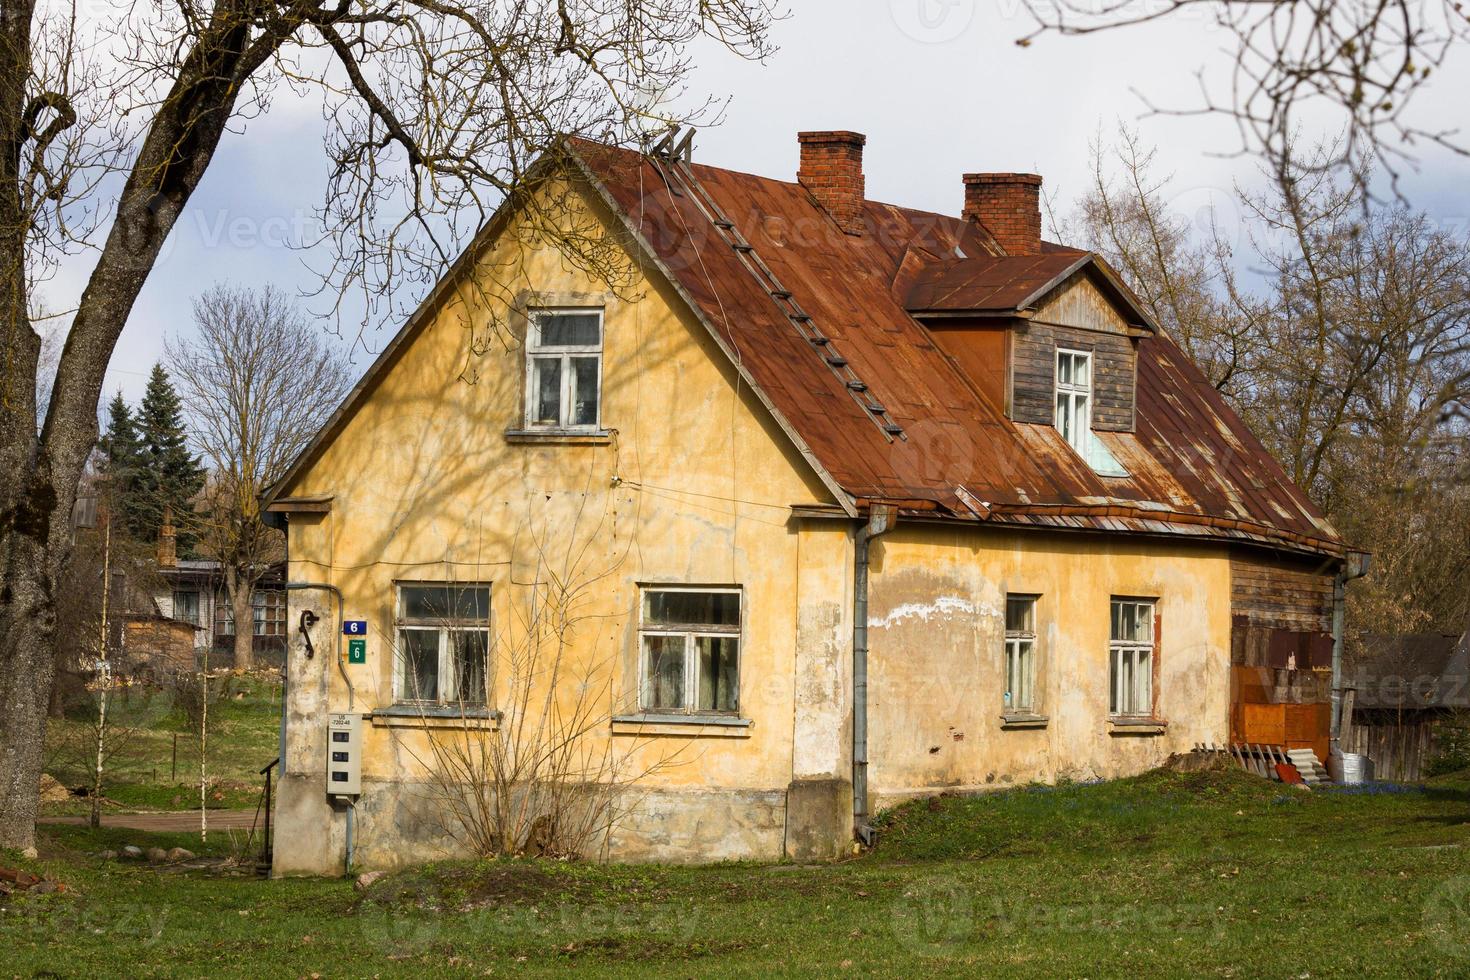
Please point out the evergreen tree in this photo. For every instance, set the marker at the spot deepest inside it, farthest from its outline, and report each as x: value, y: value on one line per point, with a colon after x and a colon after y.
x: 170, y: 475
x: 124, y: 451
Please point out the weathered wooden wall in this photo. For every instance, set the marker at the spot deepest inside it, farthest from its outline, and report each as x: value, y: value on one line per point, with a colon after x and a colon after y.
x: 1033, y: 374
x: 1280, y: 594
x: 1399, y: 742
x: 1280, y: 652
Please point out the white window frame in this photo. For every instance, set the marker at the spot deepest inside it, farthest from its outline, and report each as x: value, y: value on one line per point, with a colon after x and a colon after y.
x: 1069, y: 393
x: 1020, y: 649
x: 535, y: 351
x: 1131, y: 663
x: 691, y: 633
x: 1082, y: 439
x: 444, y: 627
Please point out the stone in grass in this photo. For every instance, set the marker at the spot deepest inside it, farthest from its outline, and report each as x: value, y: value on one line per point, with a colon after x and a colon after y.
x: 131, y: 851
x: 180, y: 854
x: 157, y: 855
x: 366, y: 880
x: 107, y: 855
x: 46, y: 888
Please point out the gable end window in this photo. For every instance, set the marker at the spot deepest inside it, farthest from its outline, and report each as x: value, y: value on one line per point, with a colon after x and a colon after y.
x: 1020, y: 654
x: 443, y: 645
x: 1131, y: 659
x: 564, y: 370
x: 689, y: 645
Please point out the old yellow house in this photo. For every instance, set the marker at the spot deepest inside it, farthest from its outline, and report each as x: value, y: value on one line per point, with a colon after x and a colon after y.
x: 787, y: 505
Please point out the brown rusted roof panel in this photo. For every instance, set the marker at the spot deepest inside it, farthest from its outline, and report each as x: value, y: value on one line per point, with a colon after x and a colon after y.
x: 989, y: 283
x: 1190, y: 456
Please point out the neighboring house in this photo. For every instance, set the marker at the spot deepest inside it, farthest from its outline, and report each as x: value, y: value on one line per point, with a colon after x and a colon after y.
x: 857, y: 502
x: 192, y: 590
x: 1399, y: 691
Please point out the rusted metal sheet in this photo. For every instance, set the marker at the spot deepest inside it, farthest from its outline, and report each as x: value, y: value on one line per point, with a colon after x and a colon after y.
x: 1194, y: 467
x: 990, y: 283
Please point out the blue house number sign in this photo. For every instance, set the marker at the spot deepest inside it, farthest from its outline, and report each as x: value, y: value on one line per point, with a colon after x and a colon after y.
x: 354, y: 627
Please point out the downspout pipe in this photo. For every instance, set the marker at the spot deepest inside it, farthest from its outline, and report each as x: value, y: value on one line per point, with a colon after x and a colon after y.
x: 1355, y: 566
x: 881, y: 518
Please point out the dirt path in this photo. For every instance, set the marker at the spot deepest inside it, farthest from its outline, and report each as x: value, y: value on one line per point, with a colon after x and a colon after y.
x: 167, y: 822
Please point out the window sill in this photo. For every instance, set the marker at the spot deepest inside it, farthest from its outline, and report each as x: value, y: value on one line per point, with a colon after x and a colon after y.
x: 434, y: 716
x: 1019, y: 721
x: 1137, y: 726
x: 687, y: 726
x: 559, y: 437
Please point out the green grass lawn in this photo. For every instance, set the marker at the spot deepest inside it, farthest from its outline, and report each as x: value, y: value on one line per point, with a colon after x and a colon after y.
x: 155, y: 765
x: 1203, y: 874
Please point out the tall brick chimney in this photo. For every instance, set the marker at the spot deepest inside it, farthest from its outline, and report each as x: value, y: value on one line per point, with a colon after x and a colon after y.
x: 1009, y: 206
x: 832, y: 170
x: 168, y: 555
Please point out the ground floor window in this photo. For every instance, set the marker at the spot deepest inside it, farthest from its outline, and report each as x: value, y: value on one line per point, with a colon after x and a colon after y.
x: 186, y: 606
x: 1020, y: 653
x: 443, y: 643
x: 690, y: 643
x: 1131, y: 651
x: 267, y: 613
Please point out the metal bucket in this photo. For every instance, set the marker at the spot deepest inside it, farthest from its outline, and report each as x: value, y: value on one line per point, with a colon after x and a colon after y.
x: 1350, y: 768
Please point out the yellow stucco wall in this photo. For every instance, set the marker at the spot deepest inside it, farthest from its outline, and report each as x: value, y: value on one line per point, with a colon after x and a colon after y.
x: 694, y: 488
x: 937, y: 668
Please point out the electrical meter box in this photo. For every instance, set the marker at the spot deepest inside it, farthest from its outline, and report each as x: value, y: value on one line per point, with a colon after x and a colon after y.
x: 344, y: 755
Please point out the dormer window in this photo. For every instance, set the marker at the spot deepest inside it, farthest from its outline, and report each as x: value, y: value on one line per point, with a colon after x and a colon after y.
x: 1074, y: 411
x: 1074, y: 398
x: 564, y: 369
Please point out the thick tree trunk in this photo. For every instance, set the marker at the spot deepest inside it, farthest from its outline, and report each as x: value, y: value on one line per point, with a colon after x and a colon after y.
x: 38, y: 477
x: 244, y: 625
x: 27, y: 625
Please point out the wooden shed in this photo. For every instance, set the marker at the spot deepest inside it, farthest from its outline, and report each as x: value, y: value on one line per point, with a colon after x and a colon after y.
x: 1398, y: 691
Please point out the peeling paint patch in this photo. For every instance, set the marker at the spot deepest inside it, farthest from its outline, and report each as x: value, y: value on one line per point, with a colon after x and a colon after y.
x: 944, y: 606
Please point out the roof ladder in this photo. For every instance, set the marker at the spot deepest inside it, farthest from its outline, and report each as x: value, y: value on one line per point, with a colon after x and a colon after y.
x: 801, y: 320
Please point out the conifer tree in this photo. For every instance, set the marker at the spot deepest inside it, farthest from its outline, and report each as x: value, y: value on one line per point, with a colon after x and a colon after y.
x: 170, y: 475
x: 124, y: 451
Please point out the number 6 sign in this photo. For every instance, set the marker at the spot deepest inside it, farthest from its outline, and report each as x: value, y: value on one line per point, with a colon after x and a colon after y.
x: 354, y: 627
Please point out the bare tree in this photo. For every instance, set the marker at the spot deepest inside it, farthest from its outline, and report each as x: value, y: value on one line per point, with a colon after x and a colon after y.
x: 1349, y: 357
x: 257, y: 381
x: 1184, y: 276
x: 434, y: 113
x: 1362, y: 61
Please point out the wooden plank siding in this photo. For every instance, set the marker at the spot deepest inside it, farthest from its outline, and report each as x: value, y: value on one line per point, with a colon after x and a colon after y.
x: 1281, y: 595
x: 1033, y: 374
x: 1281, y: 652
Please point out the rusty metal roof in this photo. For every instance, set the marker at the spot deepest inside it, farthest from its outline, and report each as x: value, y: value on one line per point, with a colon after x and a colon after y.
x: 1195, y: 469
x: 991, y: 283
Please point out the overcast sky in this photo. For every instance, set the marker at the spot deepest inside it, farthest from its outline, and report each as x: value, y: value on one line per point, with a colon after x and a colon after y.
x: 938, y: 86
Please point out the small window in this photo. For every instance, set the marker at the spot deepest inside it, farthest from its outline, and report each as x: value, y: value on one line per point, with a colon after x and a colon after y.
x: 1131, y: 674
x: 1020, y: 654
x: 1074, y: 398
x: 564, y: 369
x: 186, y: 606
x: 690, y: 641
x: 1074, y: 412
x: 443, y: 643
x: 267, y: 613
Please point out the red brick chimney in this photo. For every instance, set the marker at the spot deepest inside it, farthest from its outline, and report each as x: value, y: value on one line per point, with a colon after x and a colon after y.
x: 168, y: 555
x: 1009, y: 206
x: 832, y: 170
